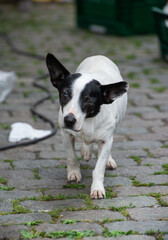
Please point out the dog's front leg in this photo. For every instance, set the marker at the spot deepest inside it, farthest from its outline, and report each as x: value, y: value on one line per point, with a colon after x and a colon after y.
x: 97, y: 188
x: 73, y: 166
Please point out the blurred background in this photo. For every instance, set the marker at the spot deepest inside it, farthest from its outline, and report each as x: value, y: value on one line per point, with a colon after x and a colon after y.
x: 129, y: 32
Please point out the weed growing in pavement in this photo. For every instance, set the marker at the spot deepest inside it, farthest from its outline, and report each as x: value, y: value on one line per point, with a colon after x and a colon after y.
x: 139, y: 184
x: 34, y: 223
x: 9, y: 161
x: 157, y: 234
x: 164, y: 172
x: 137, y: 159
x: 69, y: 221
x: 158, y: 197
x: 6, y: 188
x: 3, y: 180
x: 17, y: 209
x: 74, y: 186
x: 107, y: 233
x: 5, y: 126
x: 36, y: 173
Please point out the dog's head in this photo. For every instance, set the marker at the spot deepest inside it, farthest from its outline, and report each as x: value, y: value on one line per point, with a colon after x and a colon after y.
x: 80, y: 96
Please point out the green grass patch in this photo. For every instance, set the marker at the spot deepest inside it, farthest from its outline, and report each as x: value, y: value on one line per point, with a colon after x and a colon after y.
x: 5, y: 126
x: 109, y: 220
x: 17, y: 209
x: 139, y: 184
x: 131, y: 75
x: 164, y: 172
x: 164, y: 146
x: 69, y: 221
x: 74, y: 186
x: 34, y: 223
x: 137, y: 159
x: 154, y: 80
x: 3, y: 180
x: 107, y: 233
x: 36, y: 173
x: 6, y: 188
x: 9, y: 161
x: 131, y: 57
x: 149, y: 164
x: 160, y: 89
x: 158, y: 197
x: 135, y: 85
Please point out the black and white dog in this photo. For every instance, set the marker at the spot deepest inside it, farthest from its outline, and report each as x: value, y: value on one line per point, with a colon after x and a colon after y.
x: 93, y: 101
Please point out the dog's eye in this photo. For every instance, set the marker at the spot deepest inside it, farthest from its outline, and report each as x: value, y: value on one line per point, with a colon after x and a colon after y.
x: 65, y: 96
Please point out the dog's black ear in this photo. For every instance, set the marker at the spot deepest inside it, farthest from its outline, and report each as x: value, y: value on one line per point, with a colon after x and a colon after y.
x: 111, y: 92
x: 57, y: 71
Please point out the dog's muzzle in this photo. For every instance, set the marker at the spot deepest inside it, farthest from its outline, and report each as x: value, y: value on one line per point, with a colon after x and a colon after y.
x: 69, y: 120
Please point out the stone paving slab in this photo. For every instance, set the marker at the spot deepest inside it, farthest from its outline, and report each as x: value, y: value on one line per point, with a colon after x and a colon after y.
x: 92, y: 215
x: 140, y: 226
x: 140, y: 201
x: 140, y: 214
x: 23, y: 218
x: 51, y: 205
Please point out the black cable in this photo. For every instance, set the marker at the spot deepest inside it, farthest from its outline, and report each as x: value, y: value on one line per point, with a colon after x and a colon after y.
x: 35, y: 83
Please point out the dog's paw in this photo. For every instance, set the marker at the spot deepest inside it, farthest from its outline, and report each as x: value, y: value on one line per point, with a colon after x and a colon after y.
x: 86, y: 151
x: 111, y: 164
x: 98, y: 194
x: 97, y: 190
x: 74, y: 175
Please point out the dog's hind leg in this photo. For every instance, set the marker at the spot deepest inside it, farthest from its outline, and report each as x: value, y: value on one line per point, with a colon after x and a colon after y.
x: 111, y: 164
x: 86, y: 151
x: 73, y: 166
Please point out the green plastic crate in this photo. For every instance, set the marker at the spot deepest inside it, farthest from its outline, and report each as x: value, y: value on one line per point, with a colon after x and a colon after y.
x: 121, y: 17
x: 162, y: 31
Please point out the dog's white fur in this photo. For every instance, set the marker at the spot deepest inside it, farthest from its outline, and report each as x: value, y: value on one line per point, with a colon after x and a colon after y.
x: 96, y: 129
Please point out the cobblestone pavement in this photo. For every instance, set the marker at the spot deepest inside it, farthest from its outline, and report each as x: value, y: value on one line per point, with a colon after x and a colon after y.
x: 35, y: 199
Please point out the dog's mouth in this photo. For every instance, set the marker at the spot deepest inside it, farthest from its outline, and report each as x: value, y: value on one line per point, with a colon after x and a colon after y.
x: 71, y: 129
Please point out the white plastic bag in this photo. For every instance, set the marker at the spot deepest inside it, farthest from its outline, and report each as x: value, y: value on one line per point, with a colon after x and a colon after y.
x: 22, y: 131
x: 7, y: 80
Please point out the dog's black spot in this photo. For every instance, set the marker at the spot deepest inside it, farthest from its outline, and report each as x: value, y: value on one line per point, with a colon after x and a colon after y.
x: 65, y: 88
x: 91, y: 99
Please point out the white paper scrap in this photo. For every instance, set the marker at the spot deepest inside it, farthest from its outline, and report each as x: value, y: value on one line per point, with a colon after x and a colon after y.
x: 22, y: 131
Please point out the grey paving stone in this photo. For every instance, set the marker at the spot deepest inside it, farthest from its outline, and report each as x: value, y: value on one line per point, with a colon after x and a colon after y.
x: 16, y: 194
x: 35, y: 184
x: 5, y: 206
x: 165, y: 198
x: 22, y: 218
x: 114, y: 181
x: 18, y: 155
x: 130, y: 131
x: 5, y: 165
x: 140, y: 226
x: 66, y: 191
x: 157, y: 179
x: 28, y: 164
x: 157, y: 115
x: 140, y: 201
x: 16, y: 174
x: 68, y: 227
x: 134, y: 122
x: 165, y: 237
x: 52, y: 205
x: 122, y: 154
x: 53, y: 154
x: 149, y: 136
x: 11, y: 232
x: 91, y: 215
x: 130, y: 237
x: 140, y: 214
x: 155, y: 161
x: 139, y: 171
x: 138, y: 145
x: 131, y: 191
x: 159, y: 152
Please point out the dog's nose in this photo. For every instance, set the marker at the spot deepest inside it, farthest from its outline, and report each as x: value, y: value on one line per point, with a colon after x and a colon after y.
x: 70, y: 120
